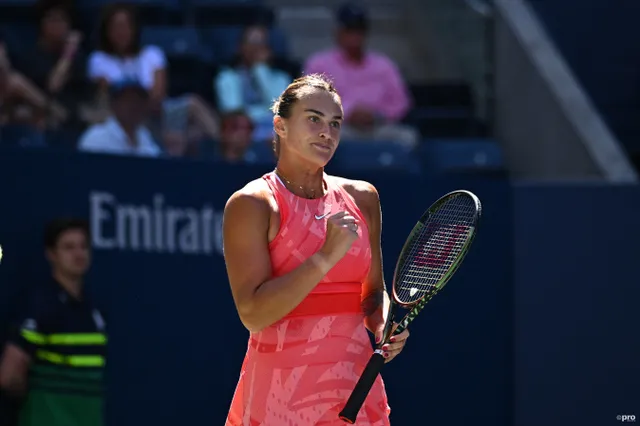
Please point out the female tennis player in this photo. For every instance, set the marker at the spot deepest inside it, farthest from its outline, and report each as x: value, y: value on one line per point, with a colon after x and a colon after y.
x: 304, y: 261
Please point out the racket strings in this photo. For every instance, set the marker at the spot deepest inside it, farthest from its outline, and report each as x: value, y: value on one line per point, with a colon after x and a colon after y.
x: 435, y: 248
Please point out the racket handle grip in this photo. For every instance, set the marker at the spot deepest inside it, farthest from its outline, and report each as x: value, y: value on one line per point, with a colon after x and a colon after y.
x: 360, y: 392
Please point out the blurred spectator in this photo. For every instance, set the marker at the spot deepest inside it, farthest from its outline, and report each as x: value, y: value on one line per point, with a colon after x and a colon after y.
x: 124, y: 133
x: 57, y: 65
x: 236, y: 139
x: 21, y: 122
x: 121, y: 56
x: 8, y: 94
x: 20, y: 102
x: 177, y: 145
x: 374, y: 95
x: 251, y: 82
x: 55, y: 356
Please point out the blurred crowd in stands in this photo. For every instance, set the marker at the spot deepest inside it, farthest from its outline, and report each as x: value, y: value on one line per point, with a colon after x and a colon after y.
x: 110, y: 90
x: 165, y: 79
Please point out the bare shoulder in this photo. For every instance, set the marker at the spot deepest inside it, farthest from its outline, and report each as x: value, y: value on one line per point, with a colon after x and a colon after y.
x: 254, y: 196
x: 364, y: 193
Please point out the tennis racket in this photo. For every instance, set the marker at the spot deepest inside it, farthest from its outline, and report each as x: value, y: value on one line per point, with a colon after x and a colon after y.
x: 431, y: 254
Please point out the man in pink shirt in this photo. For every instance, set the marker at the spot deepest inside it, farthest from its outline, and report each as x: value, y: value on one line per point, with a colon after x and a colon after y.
x: 374, y: 95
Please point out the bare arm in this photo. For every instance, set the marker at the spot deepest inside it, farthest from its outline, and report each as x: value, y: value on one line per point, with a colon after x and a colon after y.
x: 31, y: 94
x: 159, y: 89
x: 13, y: 370
x: 375, y: 299
x: 60, y: 73
x: 260, y: 299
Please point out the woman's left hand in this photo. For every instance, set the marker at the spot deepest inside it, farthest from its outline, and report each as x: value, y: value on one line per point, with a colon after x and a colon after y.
x: 395, y: 345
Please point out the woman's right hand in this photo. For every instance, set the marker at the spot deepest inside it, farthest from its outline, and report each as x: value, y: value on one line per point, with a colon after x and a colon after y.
x: 342, y: 231
x: 73, y: 41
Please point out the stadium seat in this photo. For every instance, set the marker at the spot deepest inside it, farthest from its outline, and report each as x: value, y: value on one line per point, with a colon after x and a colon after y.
x: 443, y: 109
x: 443, y: 122
x: 229, y: 2
x: 205, y: 13
x: 17, y: 12
x: 375, y: 155
x: 225, y: 40
x: 191, y: 61
x: 150, y: 12
x: 177, y: 42
x: 442, y: 94
x: 279, y: 42
x: 262, y: 153
x: 461, y: 156
x: 19, y: 38
x: 191, y: 75
x: 22, y: 136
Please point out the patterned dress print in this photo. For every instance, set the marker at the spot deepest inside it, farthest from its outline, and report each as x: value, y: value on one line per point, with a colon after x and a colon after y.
x: 301, y: 370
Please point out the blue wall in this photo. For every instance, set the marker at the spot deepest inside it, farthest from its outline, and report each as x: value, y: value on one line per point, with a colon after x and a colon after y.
x: 543, y: 282
x: 577, y: 345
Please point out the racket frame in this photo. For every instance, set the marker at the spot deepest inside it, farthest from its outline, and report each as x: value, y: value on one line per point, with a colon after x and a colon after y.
x: 376, y: 362
x: 417, y: 306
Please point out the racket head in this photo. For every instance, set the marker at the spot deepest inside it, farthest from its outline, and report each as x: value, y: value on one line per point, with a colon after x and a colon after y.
x: 435, y: 247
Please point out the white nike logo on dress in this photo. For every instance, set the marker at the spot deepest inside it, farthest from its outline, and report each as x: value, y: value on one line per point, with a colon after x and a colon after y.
x: 320, y: 217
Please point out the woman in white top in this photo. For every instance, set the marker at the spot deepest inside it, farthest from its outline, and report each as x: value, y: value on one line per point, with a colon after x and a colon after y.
x: 120, y: 56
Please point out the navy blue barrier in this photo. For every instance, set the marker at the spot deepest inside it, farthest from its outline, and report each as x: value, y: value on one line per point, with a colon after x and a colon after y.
x: 176, y: 344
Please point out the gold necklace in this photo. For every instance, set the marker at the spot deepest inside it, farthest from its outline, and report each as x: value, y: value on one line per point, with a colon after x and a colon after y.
x: 306, y: 194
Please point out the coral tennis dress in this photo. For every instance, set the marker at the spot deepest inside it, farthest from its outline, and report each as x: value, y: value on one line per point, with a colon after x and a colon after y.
x: 301, y: 370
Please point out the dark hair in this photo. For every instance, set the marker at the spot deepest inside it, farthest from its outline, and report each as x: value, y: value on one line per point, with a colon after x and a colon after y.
x: 44, y: 7
x: 230, y: 116
x: 251, y: 27
x: 237, y: 60
x: 293, y: 93
x: 55, y: 228
x: 109, y: 11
